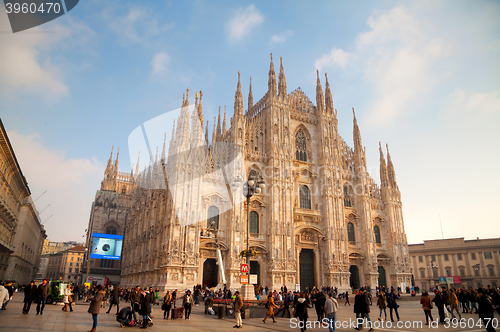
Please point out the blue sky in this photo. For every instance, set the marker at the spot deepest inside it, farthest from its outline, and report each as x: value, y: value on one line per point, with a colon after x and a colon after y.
x: 423, y: 77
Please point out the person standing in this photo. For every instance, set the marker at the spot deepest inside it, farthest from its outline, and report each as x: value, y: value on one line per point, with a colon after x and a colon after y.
x: 135, y: 298
x: 95, y: 306
x: 382, y: 304
x: 10, y: 290
x: 301, y: 311
x: 238, y: 305
x: 426, y: 303
x: 67, y: 298
x: 270, y: 308
x: 187, y: 303
x: 146, y: 300
x: 439, y: 302
x: 331, y: 307
x: 167, y: 305
x: 4, y: 295
x: 114, y: 299
x: 43, y: 291
x: 174, y: 297
x: 320, y: 305
x: 29, y: 297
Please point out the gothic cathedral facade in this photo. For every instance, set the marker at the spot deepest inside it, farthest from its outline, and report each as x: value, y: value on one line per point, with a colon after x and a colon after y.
x: 320, y: 221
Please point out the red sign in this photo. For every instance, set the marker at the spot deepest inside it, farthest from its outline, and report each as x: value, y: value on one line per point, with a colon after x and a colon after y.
x: 457, y: 280
x: 91, y: 278
x: 244, y: 279
x: 244, y: 268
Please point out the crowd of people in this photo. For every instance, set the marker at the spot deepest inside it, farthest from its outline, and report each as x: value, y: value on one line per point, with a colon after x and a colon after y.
x: 450, y: 303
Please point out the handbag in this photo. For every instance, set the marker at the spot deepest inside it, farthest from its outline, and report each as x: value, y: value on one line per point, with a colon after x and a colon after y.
x: 430, y: 305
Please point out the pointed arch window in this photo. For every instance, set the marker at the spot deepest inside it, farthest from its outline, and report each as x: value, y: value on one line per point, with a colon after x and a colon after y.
x: 213, y: 215
x: 350, y: 232
x: 347, y: 196
x: 305, y: 197
x: 254, y: 222
x: 376, y: 230
x: 111, y: 230
x: 301, y: 146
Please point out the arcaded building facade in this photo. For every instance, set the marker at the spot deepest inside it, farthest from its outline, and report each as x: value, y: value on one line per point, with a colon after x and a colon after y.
x: 321, y: 219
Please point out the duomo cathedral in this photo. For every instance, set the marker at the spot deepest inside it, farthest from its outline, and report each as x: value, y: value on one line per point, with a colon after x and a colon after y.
x: 321, y: 219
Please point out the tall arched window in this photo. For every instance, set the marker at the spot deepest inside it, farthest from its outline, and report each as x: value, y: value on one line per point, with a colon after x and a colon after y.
x: 376, y: 230
x: 350, y: 232
x: 301, y: 146
x: 254, y: 222
x: 213, y: 215
x: 347, y: 197
x: 111, y: 230
x: 305, y: 197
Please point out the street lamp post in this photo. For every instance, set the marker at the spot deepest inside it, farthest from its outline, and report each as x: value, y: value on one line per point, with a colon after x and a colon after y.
x: 254, y: 185
x: 432, y: 267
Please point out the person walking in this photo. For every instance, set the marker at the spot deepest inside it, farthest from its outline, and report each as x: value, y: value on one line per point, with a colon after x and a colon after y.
x: 167, y: 305
x: 135, y: 298
x: 286, y: 304
x: 365, y: 309
x: 114, y: 299
x: 95, y: 306
x: 426, y: 303
x: 42, y: 294
x: 67, y: 298
x: 454, y: 304
x: 331, y: 308
x: 301, y: 311
x: 346, y: 296
x: 382, y: 304
x: 439, y: 302
x: 392, y: 304
x: 187, y: 303
x: 270, y: 308
x: 238, y: 305
x: 29, y: 296
x: 485, y: 310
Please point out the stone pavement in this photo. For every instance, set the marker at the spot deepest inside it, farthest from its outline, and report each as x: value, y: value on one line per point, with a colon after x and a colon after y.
x: 54, y: 319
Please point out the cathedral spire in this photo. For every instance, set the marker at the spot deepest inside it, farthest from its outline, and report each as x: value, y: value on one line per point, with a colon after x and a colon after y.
x: 390, y: 169
x: 164, y: 145
x: 383, y: 168
x: 206, y: 133
x: 319, y: 94
x: 218, y: 133
x: 238, y: 99
x: 200, y: 109
x: 224, y: 123
x: 250, y: 96
x: 116, y: 162
x: 215, y: 131
x: 328, y: 96
x: 282, y: 80
x: 137, y: 166
x: 110, y: 160
x: 356, y: 133
x: 271, y: 83
x: 187, y: 97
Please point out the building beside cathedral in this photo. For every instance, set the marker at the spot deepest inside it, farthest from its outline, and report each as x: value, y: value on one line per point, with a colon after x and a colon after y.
x: 321, y: 220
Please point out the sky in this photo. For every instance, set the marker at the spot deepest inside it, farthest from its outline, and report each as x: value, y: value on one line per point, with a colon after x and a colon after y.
x: 423, y: 77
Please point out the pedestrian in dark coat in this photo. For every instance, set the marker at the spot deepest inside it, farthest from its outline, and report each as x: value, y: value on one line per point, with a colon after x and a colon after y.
x: 485, y: 310
x: 29, y: 296
x: 95, y: 306
x: 187, y: 303
x: 301, y: 311
x: 114, y: 299
x: 42, y: 293
x: 392, y: 304
x: 145, y: 311
x: 439, y: 302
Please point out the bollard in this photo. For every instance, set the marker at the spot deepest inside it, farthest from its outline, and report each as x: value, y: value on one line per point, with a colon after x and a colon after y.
x: 245, y: 313
x: 221, y: 311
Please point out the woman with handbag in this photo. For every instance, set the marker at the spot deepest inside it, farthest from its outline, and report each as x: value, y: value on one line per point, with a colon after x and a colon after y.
x: 426, y: 303
x: 67, y: 298
x: 301, y: 311
x: 167, y: 305
x: 270, y: 308
x: 95, y: 306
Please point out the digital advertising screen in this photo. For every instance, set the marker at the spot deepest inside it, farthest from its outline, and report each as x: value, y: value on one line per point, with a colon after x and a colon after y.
x: 106, y: 246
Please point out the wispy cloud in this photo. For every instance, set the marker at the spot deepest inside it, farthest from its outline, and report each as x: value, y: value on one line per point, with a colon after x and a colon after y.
x: 138, y: 24
x: 159, y: 63
x: 280, y: 39
x: 337, y: 57
x: 243, y: 21
x: 70, y: 183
